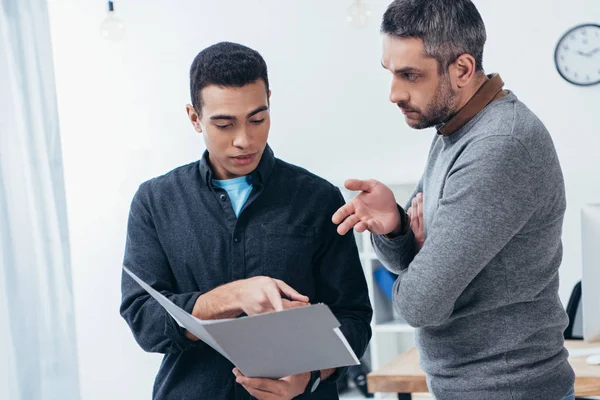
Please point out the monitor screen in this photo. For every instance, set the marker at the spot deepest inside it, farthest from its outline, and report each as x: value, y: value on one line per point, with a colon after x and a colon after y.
x: 590, y: 277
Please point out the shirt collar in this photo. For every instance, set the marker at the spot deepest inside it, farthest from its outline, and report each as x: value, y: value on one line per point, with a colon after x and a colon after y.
x: 488, y: 92
x: 259, y: 176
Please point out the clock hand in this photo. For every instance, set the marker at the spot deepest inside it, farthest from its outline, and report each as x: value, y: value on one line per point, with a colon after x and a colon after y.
x: 597, y: 49
x: 581, y: 53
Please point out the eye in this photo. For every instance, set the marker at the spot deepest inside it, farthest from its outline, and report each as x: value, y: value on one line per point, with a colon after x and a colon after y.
x: 224, y: 126
x: 410, y: 77
x: 257, y: 121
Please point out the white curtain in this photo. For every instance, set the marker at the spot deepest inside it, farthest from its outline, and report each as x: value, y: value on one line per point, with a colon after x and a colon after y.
x: 38, y: 358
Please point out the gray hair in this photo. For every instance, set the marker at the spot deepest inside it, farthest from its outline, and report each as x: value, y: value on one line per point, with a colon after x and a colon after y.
x: 448, y: 28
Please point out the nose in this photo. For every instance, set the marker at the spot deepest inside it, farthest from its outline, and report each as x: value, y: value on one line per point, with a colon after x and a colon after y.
x: 242, y: 139
x: 397, y: 92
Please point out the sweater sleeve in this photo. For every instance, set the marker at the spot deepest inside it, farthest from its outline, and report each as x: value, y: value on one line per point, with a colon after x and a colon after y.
x: 152, y: 326
x: 489, y: 195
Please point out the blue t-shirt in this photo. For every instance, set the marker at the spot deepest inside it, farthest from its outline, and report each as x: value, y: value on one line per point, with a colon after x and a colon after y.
x: 238, y: 190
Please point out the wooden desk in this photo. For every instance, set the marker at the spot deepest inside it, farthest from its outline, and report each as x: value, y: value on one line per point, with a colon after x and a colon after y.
x: 404, y: 376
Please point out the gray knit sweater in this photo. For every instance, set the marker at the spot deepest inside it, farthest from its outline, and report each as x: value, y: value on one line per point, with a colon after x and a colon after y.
x: 483, y: 290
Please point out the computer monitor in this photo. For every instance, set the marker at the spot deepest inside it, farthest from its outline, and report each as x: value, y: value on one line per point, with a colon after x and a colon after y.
x: 590, y: 277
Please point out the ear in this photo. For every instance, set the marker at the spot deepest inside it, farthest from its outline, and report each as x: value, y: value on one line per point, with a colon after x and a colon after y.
x: 463, y: 70
x: 194, y: 117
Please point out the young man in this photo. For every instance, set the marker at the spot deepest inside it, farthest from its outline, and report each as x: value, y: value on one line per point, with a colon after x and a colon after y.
x: 238, y: 232
x: 478, y: 270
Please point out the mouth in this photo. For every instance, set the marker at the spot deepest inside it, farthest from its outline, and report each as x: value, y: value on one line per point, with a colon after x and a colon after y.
x: 406, y: 110
x: 244, y: 159
x: 409, y: 113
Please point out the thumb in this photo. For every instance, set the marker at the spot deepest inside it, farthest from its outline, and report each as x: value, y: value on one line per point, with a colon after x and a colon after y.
x: 358, y: 184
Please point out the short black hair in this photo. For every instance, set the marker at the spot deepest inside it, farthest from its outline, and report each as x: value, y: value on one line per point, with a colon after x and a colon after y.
x: 448, y: 28
x: 225, y: 64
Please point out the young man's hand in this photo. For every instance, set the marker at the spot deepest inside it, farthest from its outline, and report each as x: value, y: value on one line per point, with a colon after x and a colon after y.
x: 256, y: 295
x: 415, y: 215
x: 262, y: 294
x: 274, y: 389
x: 373, y: 209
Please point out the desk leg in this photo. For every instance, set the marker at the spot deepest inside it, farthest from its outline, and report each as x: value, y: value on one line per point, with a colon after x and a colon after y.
x: 404, y: 396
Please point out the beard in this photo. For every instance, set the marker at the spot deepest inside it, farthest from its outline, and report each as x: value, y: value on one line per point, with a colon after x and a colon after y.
x: 439, y: 110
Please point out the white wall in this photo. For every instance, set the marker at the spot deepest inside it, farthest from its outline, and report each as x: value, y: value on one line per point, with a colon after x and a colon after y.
x: 123, y: 121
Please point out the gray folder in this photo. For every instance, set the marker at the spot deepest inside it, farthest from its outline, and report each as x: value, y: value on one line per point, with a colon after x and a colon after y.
x: 271, y: 345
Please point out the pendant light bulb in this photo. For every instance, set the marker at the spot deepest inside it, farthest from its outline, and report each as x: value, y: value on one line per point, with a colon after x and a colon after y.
x: 113, y: 26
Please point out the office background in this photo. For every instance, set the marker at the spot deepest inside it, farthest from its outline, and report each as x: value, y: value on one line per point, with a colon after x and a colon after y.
x: 121, y: 107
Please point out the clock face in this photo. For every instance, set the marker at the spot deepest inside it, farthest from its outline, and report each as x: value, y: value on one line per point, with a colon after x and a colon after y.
x: 577, y: 55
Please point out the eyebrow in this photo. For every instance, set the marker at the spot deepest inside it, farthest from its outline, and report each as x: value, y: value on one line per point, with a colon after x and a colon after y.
x: 403, y: 70
x: 259, y: 109
x: 233, y: 118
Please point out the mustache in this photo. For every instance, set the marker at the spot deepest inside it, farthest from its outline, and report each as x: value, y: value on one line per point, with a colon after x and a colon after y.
x: 407, y: 107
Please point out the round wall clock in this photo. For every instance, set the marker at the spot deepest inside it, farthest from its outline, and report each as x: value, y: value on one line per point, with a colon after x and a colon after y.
x: 577, y: 55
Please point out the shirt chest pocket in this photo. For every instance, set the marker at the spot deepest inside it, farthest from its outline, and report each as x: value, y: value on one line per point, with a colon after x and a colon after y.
x: 287, y: 251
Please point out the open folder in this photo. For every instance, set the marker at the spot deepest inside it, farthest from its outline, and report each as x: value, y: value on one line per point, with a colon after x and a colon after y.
x: 271, y: 345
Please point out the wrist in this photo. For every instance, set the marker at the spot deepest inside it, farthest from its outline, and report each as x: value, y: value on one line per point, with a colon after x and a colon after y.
x: 197, y: 309
x: 221, y: 302
x: 233, y: 296
x: 401, y: 225
x: 305, y: 382
x: 314, y: 379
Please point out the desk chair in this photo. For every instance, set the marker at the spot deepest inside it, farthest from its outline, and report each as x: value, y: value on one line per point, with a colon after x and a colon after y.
x: 574, y: 330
